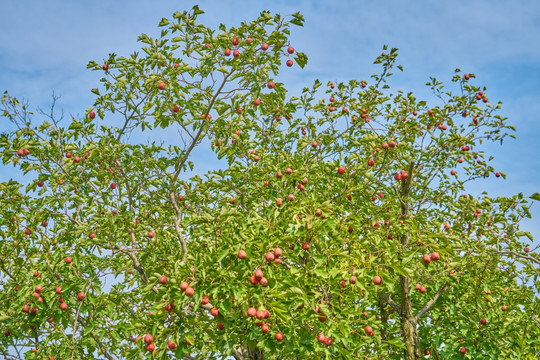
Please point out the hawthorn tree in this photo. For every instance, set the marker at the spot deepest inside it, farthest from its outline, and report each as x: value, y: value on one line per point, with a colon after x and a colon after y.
x: 338, y: 225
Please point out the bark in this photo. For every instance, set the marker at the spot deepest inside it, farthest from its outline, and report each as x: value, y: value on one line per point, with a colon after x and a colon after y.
x: 408, y: 320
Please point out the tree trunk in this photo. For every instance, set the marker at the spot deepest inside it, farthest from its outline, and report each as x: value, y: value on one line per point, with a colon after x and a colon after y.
x: 408, y: 321
x: 255, y: 354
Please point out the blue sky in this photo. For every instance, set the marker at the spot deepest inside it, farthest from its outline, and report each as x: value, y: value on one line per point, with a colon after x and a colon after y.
x: 45, y: 46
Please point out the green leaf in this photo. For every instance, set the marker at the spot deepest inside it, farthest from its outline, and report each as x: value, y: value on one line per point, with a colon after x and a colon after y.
x: 535, y: 196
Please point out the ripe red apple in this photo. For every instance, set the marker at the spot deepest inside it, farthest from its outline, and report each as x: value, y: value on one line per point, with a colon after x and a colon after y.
x: 264, y: 328
x: 80, y: 296
x: 58, y: 290
x: 526, y: 249
x: 321, y: 338
x: 260, y: 314
x: 435, y: 256
x: 161, y: 86
x: 371, y: 162
x: 33, y: 311
x: 214, y: 312
x: 205, y: 300
x: 150, y: 235
x: 289, y: 63
x: 184, y: 285
x: 278, y: 252
x: 290, y: 50
x: 426, y: 259
x: 290, y: 197
x: 151, y: 347
x: 63, y: 306
x: 322, y: 318
x: 259, y: 274
x: 263, y: 281
x: 305, y: 245
x: 77, y: 159
x: 25, y: 308
x: 269, y: 256
x: 426, y: 352
x: 68, y: 260
x: 148, y: 338
x: 256, y: 102
x: 190, y: 292
x: 483, y: 321
x: 264, y: 46
x: 253, y: 280
x: 163, y: 279
x: 279, y: 336
x: 463, y: 350
x: 221, y: 326
x: 242, y: 254
x: 368, y: 329
x: 236, y: 53
x: 377, y: 280
x: 352, y: 280
x: 105, y: 67
x: 423, y: 289
x: 271, y: 85
x: 171, y: 345
x: 235, y: 41
x: 91, y: 235
x: 251, y: 312
x: 279, y: 202
x: 113, y: 186
x: 328, y: 341
x: 503, y: 308
x: 341, y: 170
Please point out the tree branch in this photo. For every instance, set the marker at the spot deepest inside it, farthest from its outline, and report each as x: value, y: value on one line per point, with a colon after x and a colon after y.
x: 432, y: 301
x: 389, y: 300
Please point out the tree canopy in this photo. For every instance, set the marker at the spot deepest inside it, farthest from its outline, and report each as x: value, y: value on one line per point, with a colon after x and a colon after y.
x: 338, y: 226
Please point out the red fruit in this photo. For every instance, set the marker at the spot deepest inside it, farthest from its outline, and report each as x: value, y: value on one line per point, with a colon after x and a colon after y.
x: 205, y: 300
x: 63, y: 306
x: 260, y: 314
x: 190, y: 292
x: 264, y: 328
x: 91, y: 235
x: 290, y: 50
x: 341, y: 170
x: 426, y: 259
x: 68, y: 154
x: 264, y: 46
x: 251, y: 312
x: 221, y: 326
x: 352, y: 280
x: 483, y: 321
x: 7, y: 333
x: 253, y: 280
x: 467, y: 76
x: 279, y: 336
x: 151, y: 347
x: 171, y: 345
x: 25, y: 308
x: 259, y: 274
x: 377, y: 280
x: 503, y: 308
x: 321, y: 338
x: 526, y: 249
x: 236, y: 53
x: 183, y: 286
x: 214, y: 312
x: 256, y: 102
x: 68, y: 260
x: 271, y: 85
x: 423, y: 289
x: 322, y: 318
x: 426, y: 352
x: 77, y: 159
x: 235, y: 41
x: 278, y: 252
x: 263, y: 281
x: 368, y: 329
x: 163, y: 279
x: 113, y: 186
x: 305, y: 245
x: 33, y: 311
x: 371, y: 162
x: 269, y: 256
x: 463, y: 350
x: 279, y: 202
x: 242, y: 254
x: 392, y: 144
x: 289, y: 63
x: 256, y: 158
x: 150, y: 234
x: 58, y: 290
x: 290, y: 197
x: 148, y: 338
x: 161, y: 86
x: 105, y: 67
x: 80, y: 296
x: 435, y: 256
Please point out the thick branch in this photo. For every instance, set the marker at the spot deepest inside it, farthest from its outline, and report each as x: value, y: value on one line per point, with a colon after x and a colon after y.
x: 176, y: 221
x: 432, y: 301
x: 389, y: 300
